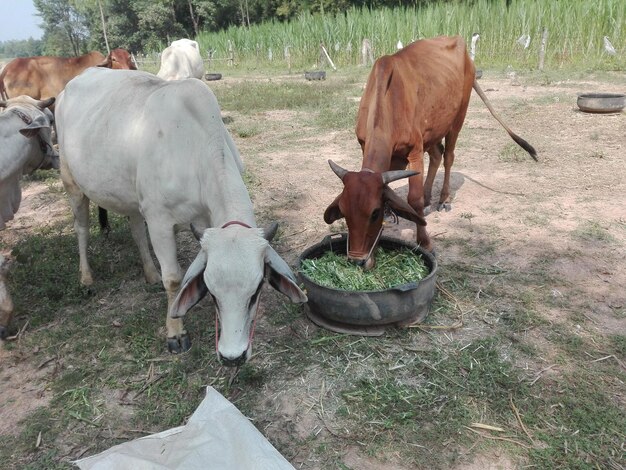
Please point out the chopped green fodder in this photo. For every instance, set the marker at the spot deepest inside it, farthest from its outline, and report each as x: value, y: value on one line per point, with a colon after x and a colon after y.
x: 393, y: 268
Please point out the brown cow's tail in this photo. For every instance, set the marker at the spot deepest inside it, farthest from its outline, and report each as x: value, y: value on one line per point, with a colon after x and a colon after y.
x: 518, y: 140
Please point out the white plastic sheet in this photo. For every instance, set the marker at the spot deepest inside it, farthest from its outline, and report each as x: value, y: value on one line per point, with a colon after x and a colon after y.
x: 216, y: 437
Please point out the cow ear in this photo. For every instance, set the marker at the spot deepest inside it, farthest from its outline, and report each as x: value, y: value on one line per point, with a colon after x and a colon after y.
x: 194, y: 288
x: 281, y: 277
x: 34, y: 127
x: 333, y: 212
x: 401, y: 207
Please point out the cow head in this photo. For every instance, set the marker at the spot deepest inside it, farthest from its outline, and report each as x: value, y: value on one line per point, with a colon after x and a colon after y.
x: 363, y: 202
x: 38, y: 121
x: 232, y: 266
x: 119, y: 59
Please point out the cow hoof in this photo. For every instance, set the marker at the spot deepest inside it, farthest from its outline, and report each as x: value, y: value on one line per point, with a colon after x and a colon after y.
x: 179, y: 344
x: 4, y: 332
x: 446, y: 206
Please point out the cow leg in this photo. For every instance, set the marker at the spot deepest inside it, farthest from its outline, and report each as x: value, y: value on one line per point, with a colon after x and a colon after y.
x: 80, y: 207
x: 6, y: 304
x: 434, y: 154
x: 416, y: 194
x: 164, y: 245
x: 138, y: 230
x: 451, y: 138
x: 448, y: 160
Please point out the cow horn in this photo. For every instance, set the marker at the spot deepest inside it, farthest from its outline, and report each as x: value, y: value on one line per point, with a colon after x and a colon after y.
x: 41, y: 104
x: 341, y: 172
x: 270, y: 232
x: 196, y: 233
x: 389, y: 176
x: 107, y: 62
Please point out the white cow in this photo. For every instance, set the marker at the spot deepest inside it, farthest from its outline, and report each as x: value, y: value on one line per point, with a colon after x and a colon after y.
x: 25, y: 146
x: 181, y: 60
x: 158, y: 150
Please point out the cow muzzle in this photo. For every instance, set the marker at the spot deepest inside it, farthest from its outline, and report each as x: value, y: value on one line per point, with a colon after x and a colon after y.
x: 362, y: 258
x: 236, y: 362
x: 229, y: 350
x: 366, y: 262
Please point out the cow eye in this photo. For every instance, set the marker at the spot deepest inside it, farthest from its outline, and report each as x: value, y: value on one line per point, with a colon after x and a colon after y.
x: 375, y: 215
x: 255, y: 296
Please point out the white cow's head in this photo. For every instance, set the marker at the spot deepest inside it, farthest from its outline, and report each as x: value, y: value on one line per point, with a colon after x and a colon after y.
x: 233, y: 265
x: 38, y: 121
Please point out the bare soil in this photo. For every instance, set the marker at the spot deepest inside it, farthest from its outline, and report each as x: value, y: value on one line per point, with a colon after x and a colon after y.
x: 565, y: 213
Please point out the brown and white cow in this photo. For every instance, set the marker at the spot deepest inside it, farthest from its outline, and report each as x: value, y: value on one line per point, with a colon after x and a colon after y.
x: 44, y: 77
x: 413, y: 100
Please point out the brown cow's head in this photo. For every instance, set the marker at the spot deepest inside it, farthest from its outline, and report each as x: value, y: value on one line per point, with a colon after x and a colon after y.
x: 362, y: 202
x: 119, y: 59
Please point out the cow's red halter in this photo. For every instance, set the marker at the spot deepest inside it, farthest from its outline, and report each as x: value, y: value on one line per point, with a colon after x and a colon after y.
x: 235, y: 222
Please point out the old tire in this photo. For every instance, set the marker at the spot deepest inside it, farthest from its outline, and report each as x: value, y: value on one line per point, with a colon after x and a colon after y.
x: 316, y: 75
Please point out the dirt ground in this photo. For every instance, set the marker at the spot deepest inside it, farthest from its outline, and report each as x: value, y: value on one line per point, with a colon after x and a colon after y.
x: 538, y: 213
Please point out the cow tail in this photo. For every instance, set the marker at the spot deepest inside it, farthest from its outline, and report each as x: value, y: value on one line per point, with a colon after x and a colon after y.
x: 103, y: 219
x: 518, y: 140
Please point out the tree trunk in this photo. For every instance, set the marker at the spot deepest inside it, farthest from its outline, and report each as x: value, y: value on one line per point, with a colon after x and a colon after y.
x: 194, y: 20
x: 104, y: 27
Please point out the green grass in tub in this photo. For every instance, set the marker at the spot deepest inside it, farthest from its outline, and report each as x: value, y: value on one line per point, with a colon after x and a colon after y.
x: 393, y: 268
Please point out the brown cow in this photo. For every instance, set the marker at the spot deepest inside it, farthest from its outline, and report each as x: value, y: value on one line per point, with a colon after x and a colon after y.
x: 412, y: 101
x: 45, y: 76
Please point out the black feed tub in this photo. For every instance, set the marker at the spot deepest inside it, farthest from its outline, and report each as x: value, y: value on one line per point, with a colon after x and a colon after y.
x: 601, y: 102
x: 368, y: 312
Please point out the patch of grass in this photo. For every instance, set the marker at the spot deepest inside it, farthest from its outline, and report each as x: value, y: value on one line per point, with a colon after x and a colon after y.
x: 46, y: 267
x: 568, y: 342
x: 285, y: 315
x: 254, y: 97
x: 521, y: 318
x: 590, y: 230
x: 50, y: 177
x: 449, y: 391
x: 554, y: 98
x: 246, y: 131
x: 20, y: 452
x: 618, y: 342
x: 536, y: 219
x: 512, y: 153
x: 590, y: 427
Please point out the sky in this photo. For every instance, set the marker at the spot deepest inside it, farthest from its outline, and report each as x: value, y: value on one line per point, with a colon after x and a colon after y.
x: 18, y: 20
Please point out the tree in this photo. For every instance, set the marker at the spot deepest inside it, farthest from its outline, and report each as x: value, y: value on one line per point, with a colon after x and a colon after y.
x: 62, y: 21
